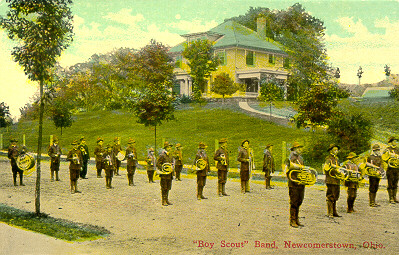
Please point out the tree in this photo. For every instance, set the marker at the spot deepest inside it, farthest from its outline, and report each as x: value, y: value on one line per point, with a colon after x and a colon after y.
x: 4, y: 115
x: 317, y: 106
x: 202, y: 62
x: 270, y: 91
x: 224, y: 85
x: 44, y: 29
x: 359, y: 73
x: 61, y: 114
x: 387, y: 71
x: 152, y: 100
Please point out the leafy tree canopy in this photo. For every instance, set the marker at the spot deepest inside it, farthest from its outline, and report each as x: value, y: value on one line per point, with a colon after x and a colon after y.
x: 224, y: 85
x: 4, y: 115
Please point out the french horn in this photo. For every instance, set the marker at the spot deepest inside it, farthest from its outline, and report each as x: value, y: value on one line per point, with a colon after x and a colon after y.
x: 304, y: 175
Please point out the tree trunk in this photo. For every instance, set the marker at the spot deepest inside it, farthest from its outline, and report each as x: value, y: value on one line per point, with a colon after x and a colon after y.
x: 270, y: 107
x: 61, y: 131
x: 39, y: 151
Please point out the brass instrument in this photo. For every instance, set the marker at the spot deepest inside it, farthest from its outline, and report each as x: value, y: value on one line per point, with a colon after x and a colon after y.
x: 393, y: 160
x: 336, y: 172
x: 372, y: 170
x: 223, y: 161
x: 121, y: 155
x: 25, y: 162
x: 304, y: 175
x: 200, y: 164
x: 167, y: 168
x: 75, y: 159
x: 108, y: 160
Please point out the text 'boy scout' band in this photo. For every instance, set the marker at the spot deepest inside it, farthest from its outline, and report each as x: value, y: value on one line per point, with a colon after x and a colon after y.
x: 170, y: 163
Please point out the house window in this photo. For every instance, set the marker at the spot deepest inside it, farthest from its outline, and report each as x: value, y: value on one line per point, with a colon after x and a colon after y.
x: 178, y: 62
x: 250, y: 58
x: 272, y: 59
x: 221, y: 55
x: 286, y: 63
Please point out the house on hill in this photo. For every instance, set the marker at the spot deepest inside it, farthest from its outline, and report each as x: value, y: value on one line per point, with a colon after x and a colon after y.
x: 245, y: 55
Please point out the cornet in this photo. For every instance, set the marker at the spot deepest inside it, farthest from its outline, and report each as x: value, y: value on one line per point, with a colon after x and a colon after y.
x: 304, y: 175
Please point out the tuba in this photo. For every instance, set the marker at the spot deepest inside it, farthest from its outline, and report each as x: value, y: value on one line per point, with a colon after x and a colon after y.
x: 200, y: 164
x: 304, y: 175
x: 336, y: 172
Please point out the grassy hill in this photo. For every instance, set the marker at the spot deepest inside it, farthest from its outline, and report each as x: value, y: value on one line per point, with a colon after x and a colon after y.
x: 192, y: 124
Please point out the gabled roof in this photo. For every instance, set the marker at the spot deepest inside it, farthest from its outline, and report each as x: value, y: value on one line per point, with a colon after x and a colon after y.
x: 236, y: 35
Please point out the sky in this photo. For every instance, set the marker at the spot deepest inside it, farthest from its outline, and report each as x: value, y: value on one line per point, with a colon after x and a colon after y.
x: 358, y: 33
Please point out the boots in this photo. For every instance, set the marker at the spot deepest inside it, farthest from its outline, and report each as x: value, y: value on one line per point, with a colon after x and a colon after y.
x: 243, y: 187
x: 52, y: 176
x: 72, y: 187
x: 57, y: 177
x: 164, y: 203
x: 99, y: 173
x: 268, y: 183
x: 14, y: 177
x: 247, y: 186
x: 293, y: 218
x: 330, y: 209
x: 394, y: 192
x: 220, y: 190
x: 335, y: 214
x: 224, y: 189
x: 201, y: 193
x: 21, y: 176
x: 297, y: 218
x: 167, y: 199
x: 130, y: 179
x: 372, y: 199
x: 391, y: 199
x: 76, y: 187
x: 350, y: 205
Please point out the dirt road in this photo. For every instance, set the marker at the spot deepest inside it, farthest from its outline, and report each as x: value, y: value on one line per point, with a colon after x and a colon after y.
x: 252, y: 223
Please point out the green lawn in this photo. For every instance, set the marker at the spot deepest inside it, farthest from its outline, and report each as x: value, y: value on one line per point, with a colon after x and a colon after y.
x: 192, y: 124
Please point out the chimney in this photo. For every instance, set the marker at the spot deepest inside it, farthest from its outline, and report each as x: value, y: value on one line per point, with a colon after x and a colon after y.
x: 261, y: 26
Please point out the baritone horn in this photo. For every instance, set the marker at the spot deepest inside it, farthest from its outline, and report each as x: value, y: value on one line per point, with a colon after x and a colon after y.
x: 336, y: 172
x: 304, y: 175
x: 372, y: 170
x: 393, y: 160
x: 167, y: 168
x: 200, y: 164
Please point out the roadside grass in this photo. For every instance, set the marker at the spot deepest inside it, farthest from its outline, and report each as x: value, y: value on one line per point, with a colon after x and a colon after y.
x: 57, y: 228
x: 192, y: 125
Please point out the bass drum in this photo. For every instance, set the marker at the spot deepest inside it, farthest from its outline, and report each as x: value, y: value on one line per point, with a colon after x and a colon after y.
x: 25, y: 162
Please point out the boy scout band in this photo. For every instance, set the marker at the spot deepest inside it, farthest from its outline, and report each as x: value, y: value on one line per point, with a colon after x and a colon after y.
x: 170, y: 163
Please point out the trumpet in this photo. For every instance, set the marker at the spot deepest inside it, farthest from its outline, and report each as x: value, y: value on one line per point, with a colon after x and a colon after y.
x: 304, y: 175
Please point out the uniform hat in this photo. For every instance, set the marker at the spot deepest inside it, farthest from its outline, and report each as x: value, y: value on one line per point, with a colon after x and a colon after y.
x: 269, y: 145
x: 392, y: 139
x: 75, y: 142
x: 223, y: 140
x: 332, y: 146
x: 167, y: 144
x: 178, y: 145
x: 55, y: 139
x: 13, y: 140
x: 351, y: 155
x: 108, y: 146
x: 376, y: 147
x: 82, y: 138
x: 131, y: 141
x: 116, y: 139
x: 100, y: 140
x: 201, y: 145
x: 150, y: 149
x: 243, y: 141
x: 296, y: 145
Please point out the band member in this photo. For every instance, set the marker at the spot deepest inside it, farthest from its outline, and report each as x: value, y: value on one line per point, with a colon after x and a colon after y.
x: 54, y: 151
x: 391, y: 154
x: 150, y: 165
x: 296, y: 191
x: 85, y: 155
x: 13, y: 153
x: 165, y: 157
x: 222, y: 158
x: 375, y: 159
x: 244, y: 157
x: 98, y: 152
x: 116, y: 148
x: 268, y: 165
x: 108, y: 165
x: 333, y: 184
x: 201, y: 173
x: 75, y: 158
x: 351, y: 185
x: 178, y: 157
x: 131, y: 155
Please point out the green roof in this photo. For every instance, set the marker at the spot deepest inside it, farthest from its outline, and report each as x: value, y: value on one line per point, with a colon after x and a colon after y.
x: 236, y: 35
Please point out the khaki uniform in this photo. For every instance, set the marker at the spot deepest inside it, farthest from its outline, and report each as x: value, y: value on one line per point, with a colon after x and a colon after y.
x: 54, y: 151
x: 374, y: 181
x: 116, y: 148
x: 99, y: 152
x: 150, y: 167
x: 75, y: 158
x: 85, y: 156
x: 333, y: 187
x: 268, y: 167
x: 243, y: 158
x: 222, y: 166
x: 109, y: 168
x: 352, y: 186
x: 166, y: 179
x: 13, y: 153
x: 392, y: 175
x: 296, y: 191
x: 178, y: 158
x: 201, y: 174
x: 131, y: 155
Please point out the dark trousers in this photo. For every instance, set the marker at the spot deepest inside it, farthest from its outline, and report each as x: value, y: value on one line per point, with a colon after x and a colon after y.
x: 15, y: 172
x: 83, y: 172
x: 166, y: 182
x: 393, y: 177
x: 222, y: 176
x: 333, y: 192
x: 297, y: 195
x: 373, y: 184
x: 178, y: 169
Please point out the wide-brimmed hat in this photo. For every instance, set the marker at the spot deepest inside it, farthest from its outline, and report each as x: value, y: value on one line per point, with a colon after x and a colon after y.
x: 167, y: 144
x: 351, y: 155
x: 75, y: 142
x: 150, y: 149
x: 243, y: 141
x: 201, y: 145
x: 376, y: 147
x: 269, y: 145
x: 296, y: 145
x: 100, y: 140
x: 223, y: 140
x: 131, y: 141
x: 13, y: 140
x: 116, y: 139
x: 332, y: 146
x: 392, y: 139
x: 178, y: 145
x: 82, y: 138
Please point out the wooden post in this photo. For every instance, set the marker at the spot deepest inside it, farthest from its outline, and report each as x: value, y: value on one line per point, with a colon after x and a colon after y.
x: 23, y: 140
x: 1, y: 141
x: 283, y: 154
